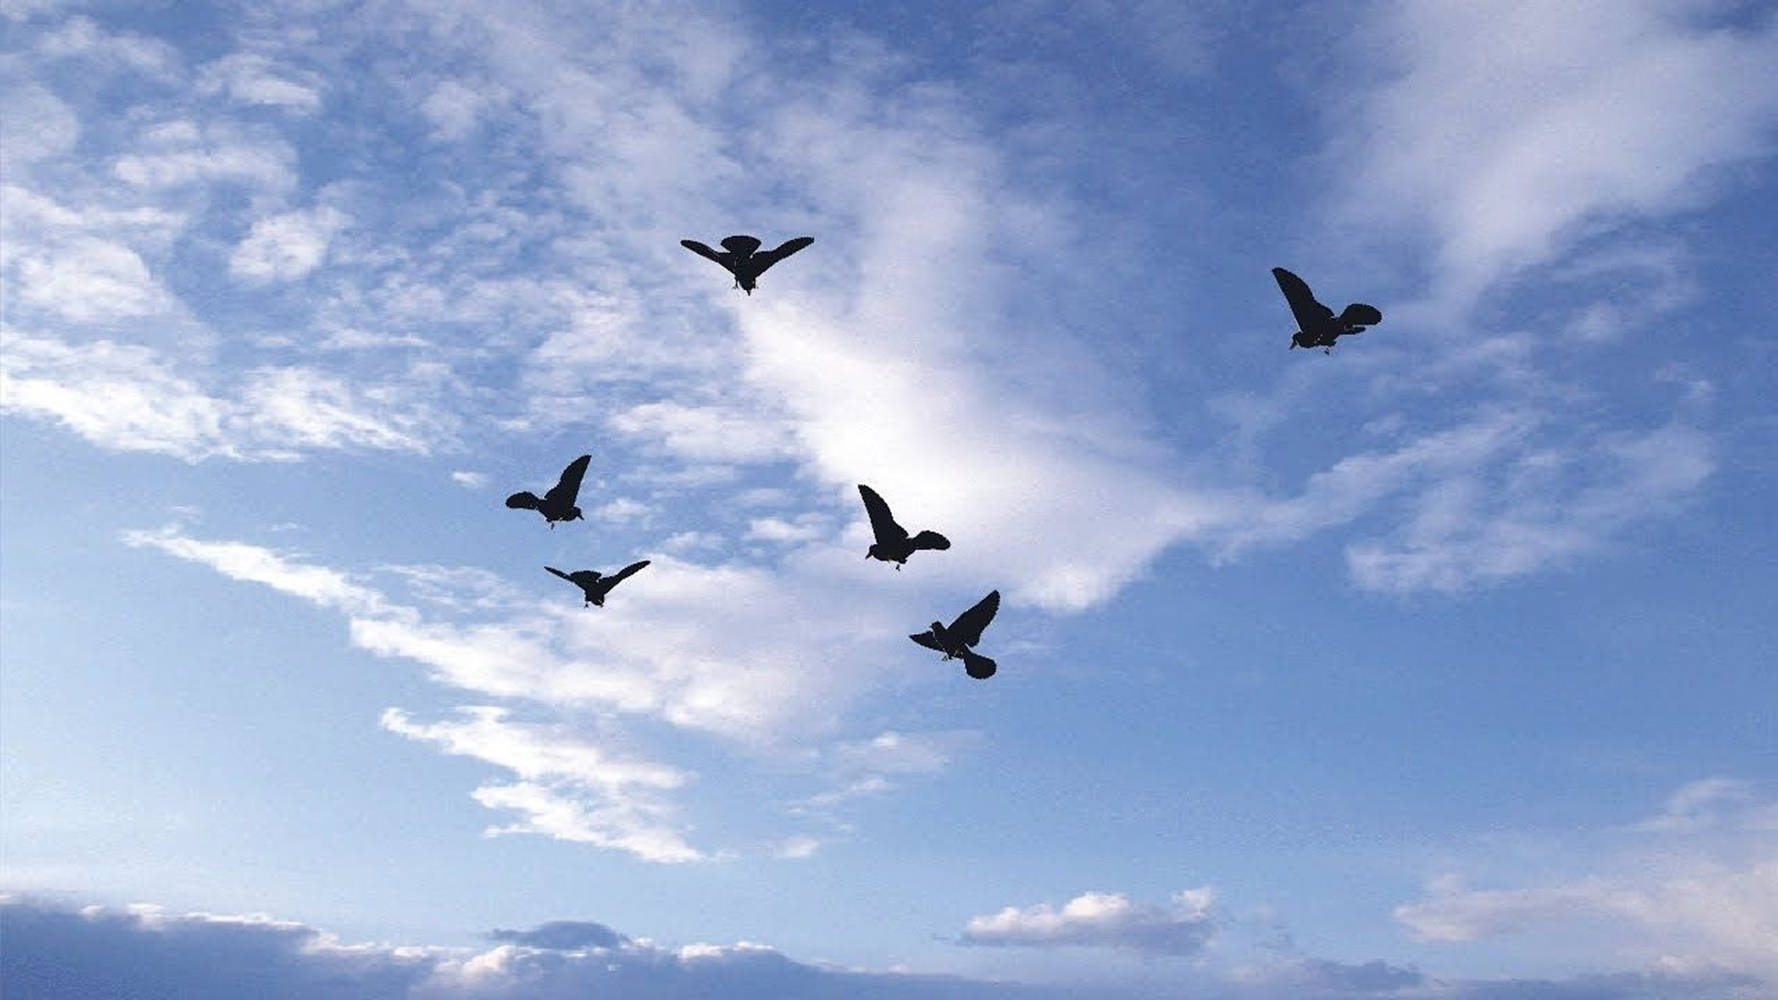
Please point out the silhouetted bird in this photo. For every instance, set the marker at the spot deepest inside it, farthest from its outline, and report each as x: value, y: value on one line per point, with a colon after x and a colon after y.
x: 558, y: 503
x: 1319, y: 326
x: 742, y: 258
x: 893, y: 544
x: 595, y: 586
x: 954, y: 641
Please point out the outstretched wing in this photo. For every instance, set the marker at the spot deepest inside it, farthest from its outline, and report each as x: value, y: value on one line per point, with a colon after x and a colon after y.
x: 930, y: 540
x: 522, y: 500
x: 882, y: 523
x: 704, y: 251
x: 761, y: 261
x: 978, y: 666
x: 567, y: 489
x: 926, y: 639
x: 968, y: 626
x: 1308, y: 312
x: 625, y: 573
x: 563, y: 575
x: 1359, y: 314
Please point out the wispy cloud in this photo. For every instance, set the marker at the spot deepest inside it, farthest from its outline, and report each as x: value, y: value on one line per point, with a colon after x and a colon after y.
x: 1696, y: 886
x: 1513, y: 129
x: 572, y: 788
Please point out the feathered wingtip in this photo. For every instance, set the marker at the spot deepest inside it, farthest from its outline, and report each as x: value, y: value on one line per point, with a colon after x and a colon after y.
x: 523, y: 500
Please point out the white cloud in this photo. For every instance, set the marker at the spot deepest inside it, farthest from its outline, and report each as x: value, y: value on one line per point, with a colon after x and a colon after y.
x: 773, y: 529
x: 1100, y: 919
x: 254, y: 564
x: 572, y: 788
x: 1699, y: 804
x: 798, y: 847
x: 81, y: 37
x: 130, y: 399
x: 179, y: 153
x: 707, y: 433
x: 470, y: 480
x: 37, y: 125
x: 286, y: 246
x: 454, y: 109
x: 622, y: 510
x: 1694, y: 887
x: 252, y: 79
x: 114, y: 395
x: 1509, y: 492
x: 88, y: 279
x: 1516, y: 127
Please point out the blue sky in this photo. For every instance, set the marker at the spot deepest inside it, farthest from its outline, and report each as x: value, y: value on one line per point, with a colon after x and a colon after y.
x: 1438, y: 667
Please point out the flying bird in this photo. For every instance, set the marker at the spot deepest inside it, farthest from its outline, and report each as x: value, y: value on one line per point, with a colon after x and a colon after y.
x: 893, y: 544
x: 742, y: 259
x: 558, y: 503
x: 1319, y: 327
x: 954, y: 641
x: 594, y: 585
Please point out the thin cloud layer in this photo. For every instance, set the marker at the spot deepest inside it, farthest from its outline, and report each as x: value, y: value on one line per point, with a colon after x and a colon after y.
x: 1693, y: 887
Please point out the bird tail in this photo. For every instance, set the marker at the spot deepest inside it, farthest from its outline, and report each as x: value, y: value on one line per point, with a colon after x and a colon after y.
x: 978, y: 666
x: 523, y: 500
x: 930, y: 540
x: 1359, y: 314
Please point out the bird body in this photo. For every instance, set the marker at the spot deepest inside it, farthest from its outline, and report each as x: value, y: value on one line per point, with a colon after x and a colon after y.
x: 740, y: 256
x: 596, y: 585
x: 954, y: 640
x: 1317, y: 324
x: 559, y: 503
x: 893, y: 543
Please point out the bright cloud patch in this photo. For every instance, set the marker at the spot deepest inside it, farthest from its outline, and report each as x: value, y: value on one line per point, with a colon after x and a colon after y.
x: 287, y: 246
x: 1101, y: 919
x: 573, y: 789
x: 130, y: 398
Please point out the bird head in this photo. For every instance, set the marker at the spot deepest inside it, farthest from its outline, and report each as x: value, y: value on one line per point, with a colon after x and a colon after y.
x: 574, y: 514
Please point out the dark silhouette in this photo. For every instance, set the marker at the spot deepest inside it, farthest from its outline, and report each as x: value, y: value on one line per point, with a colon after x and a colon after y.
x: 742, y: 259
x: 1319, y: 327
x: 893, y: 544
x: 558, y: 503
x: 595, y: 586
x: 963, y: 633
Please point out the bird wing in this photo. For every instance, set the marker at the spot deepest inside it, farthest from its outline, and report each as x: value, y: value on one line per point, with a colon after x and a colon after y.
x: 625, y: 573
x: 978, y: 666
x: 1359, y: 314
x: 926, y: 639
x: 968, y: 626
x: 930, y: 540
x: 761, y: 261
x: 882, y: 523
x: 522, y: 500
x: 702, y: 250
x: 1308, y: 312
x: 567, y: 489
x: 561, y: 574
